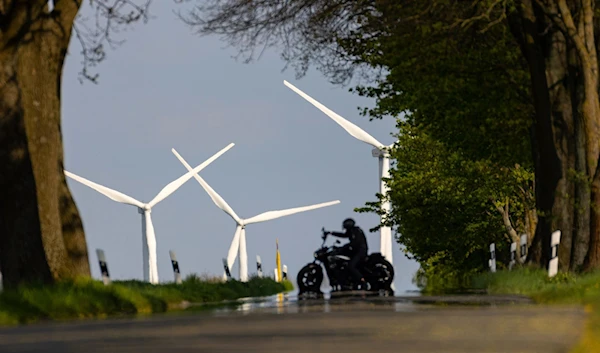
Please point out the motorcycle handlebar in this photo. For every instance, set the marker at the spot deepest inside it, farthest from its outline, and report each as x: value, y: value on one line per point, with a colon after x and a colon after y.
x: 324, y: 236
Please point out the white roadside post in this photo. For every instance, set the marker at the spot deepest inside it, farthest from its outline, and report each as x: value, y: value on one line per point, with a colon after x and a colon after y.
x: 513, y: 255
x: 523, y: 248
x: 103, y: 266
x: 227, y: 272
x: 284, y: 273
x: 276, y: 275
x: 492, y: 260
x: 259, y: 266
x: 553, y: 265
x: 175, y: 265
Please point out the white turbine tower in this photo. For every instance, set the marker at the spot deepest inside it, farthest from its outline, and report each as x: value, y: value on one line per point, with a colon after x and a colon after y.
x: 238, y: 244
x: 148, y: 236
x: 380, y: 151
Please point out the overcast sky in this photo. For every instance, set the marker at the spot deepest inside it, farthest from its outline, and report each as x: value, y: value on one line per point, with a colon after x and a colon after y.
x: 169, y: 88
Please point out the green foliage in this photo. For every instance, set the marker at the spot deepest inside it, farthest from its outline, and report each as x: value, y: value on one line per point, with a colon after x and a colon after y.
x: 564, y: 288
x: 435, y: 277
x: 444, y: 205
x: 288, y: 285
x: 468, y: 88
x: 90, y: 298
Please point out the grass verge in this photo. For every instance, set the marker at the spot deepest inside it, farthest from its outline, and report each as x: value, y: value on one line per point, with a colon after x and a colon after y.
x: 88, y: 298
x: 564, y: 288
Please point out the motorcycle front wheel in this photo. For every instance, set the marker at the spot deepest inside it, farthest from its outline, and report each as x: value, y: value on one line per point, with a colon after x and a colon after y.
x: 309, y: 278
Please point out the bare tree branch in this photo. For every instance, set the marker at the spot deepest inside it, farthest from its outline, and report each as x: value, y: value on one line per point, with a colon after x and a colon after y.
x: 511, y: 233
x: 485, y: 14
x: 307, y: 30
x: 110, y: 17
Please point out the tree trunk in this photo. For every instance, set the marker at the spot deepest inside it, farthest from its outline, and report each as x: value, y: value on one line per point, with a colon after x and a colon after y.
x: 557, y: 76
x: 582, y: 189
x: 531, y: 220
x: 38, y: 203
x: 22, y: 252
x: 592, y: 260
x: 573, y: 22
x: 527, y: 27
x: 511, y: 234
x: 577, y: 20
x: 37, y: 74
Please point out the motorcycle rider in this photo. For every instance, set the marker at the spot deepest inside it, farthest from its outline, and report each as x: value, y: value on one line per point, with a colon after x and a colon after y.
x: 358, y: 249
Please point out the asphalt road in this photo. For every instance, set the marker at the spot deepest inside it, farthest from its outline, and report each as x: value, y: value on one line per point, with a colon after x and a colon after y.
x: 353, y: 325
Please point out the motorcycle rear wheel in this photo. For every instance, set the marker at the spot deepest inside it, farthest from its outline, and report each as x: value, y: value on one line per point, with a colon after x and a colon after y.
x: 383, y: 275
x: 309, y: 278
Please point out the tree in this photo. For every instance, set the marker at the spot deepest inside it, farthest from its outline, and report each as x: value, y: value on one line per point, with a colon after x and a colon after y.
x: 42, y: 237
x: 445, y: 206
x: 559, y: 44
x: 463, y: 166
x: 554, y: 48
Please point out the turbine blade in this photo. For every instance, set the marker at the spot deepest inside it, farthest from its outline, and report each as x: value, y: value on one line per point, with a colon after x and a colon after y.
x: 217, y: 199
x: 108, y: 192
x: 352, y: 129
x: 267, y: 216
x: 234, y: 247
x: 174, y: 185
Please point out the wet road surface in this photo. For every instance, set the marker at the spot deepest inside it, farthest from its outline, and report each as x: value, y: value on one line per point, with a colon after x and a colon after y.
x: 392, y: 324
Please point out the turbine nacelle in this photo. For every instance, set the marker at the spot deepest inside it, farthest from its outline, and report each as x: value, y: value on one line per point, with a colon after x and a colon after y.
x: 380, y: 153
x: 238, y: 244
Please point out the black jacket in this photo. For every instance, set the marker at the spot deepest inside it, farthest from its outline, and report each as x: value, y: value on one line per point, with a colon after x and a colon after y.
x: 356, y: 236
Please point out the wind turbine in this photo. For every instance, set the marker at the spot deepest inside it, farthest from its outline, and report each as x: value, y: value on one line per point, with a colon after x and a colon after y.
x: 148, y: 236
x: 239, y: 239
x: 380, y: 151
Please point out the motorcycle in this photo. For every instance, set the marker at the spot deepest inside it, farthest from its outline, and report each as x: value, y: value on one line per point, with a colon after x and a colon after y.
x: 376, y: 270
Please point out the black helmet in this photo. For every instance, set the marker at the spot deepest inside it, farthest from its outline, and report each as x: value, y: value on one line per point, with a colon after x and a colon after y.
x: 348, y: 223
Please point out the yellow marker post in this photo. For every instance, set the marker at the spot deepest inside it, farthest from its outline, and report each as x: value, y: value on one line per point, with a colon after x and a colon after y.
x: 278, y: 261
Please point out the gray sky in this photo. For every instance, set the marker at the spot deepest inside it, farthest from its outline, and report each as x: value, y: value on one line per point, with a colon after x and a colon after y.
x: 168, y: 88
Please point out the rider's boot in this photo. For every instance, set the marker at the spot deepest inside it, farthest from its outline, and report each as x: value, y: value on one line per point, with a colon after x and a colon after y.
x: 362, y: 285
